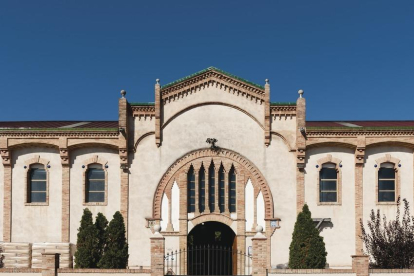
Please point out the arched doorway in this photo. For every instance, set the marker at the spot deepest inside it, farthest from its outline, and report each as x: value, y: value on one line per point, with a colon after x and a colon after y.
x: 211, y: 250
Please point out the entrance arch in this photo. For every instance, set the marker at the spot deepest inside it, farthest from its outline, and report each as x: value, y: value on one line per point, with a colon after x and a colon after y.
x: 212, y: 250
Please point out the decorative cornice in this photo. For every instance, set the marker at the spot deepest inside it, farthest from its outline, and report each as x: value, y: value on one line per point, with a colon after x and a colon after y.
x: 59, y: 133
x: 143, y: 111
x: 282, y: 110
x: 212, y: 77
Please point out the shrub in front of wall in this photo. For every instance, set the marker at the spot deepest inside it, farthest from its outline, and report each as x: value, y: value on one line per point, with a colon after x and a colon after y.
x: 115, y: 253
x: 307, y: 249
x: 390, y: 244
x: 87, y: 246
x: 101, y: 223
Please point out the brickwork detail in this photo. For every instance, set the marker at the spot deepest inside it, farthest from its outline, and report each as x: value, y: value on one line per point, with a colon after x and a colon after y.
x: 50, y: 264
x: 65, y: 260
x: 260, y: 255
x: 184, y: 163
x: 157, y: 255
x: 360, y: 265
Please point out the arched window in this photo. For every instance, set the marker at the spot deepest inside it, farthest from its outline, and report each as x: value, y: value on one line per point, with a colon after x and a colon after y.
x: 37, y: 184
x: 191, y: 190
x: 328, y: 183
x: 211, y: 187
x: 221, y: 189
x: 386, y: 182
x: 232, y: 190
x: 202, y: 189
x: 95, y: 184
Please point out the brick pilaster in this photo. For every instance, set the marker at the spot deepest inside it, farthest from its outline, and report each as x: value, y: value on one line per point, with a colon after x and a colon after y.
x: 65, y: 161
x: 300, y: 151
x: 50, y: 264
x: 158, y: 101
x: 360, y: 265
x: 259, y: 257
x: 359, y: 199
x: 157, y: 255
x: 267, y: 117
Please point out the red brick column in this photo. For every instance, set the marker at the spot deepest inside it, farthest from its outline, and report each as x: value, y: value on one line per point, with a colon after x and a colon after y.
x: 50, y: 264
x: 360, y: 265
x: 157, y: 253
x: 259, y: 258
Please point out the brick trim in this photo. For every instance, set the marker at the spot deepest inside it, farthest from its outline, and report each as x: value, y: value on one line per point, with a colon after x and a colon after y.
x: 28, y: 163
x: 388, y: 159
x: 337, y: 162
x: 94, y: 160
x: 184, y: 162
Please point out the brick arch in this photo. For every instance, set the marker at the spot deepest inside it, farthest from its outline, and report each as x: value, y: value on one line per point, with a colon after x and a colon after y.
x: 182, y: 163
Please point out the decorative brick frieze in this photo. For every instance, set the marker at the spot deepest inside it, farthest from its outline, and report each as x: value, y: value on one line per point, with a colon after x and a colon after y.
x: 223, y: 155
x: 283, y: 111
x: 143, y: 112
x: 334, y: 133
x: 31, y: 134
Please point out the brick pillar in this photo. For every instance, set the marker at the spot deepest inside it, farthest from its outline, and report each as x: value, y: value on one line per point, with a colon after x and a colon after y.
x: 50, y: 264
x: 259, y: 257
x: 157, y: 252
x: 359, y: 194
x: 300, y: 150
x: 267, y: 117
x: 360, y: 265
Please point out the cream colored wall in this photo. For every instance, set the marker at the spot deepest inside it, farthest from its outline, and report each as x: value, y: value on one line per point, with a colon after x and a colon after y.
x: 189, y: 131
x: 280, y: 173
x: 1, y: 196
x: 214, y: 94
x: 36, y: 223
x: 405, y: 172
x: 78, y: 157
x: 339, y: 236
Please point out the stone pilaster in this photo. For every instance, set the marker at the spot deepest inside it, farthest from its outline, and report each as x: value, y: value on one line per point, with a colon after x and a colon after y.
x: 259, y: 258
x: 359, y: 195
x: 50, y: 264
x: 267, y: 117
x: 157, y: 252
x: 7, y: 200
x: 300, y: 151
x: 360, y: 265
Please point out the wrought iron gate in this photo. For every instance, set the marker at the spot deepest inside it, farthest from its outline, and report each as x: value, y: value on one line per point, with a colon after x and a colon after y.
x: 207, y: 260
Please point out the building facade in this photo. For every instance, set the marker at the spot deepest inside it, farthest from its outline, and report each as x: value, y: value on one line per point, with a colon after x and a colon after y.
x: 212, y: 158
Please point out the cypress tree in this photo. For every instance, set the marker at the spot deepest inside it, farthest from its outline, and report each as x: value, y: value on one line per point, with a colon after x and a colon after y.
x: 101, y: 223
x: 87, y: 250
x: 116, y: 250
x: 307, y: 249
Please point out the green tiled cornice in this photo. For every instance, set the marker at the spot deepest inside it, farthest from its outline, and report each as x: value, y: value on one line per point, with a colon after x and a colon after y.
x: 148, y: 104
x: 283, y: 103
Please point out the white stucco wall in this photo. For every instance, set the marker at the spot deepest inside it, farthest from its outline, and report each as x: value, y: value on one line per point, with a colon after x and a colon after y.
x: 370, y: 172
x: 36, y: 223
x: 1, y: 196
x: 339, y: 235
x: 78, y: 157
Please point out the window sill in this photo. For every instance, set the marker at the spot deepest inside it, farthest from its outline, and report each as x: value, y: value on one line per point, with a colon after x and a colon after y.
x: 95, y: 204
x: 37, y: 204
x: 387, y: 203
x: 329, y: 203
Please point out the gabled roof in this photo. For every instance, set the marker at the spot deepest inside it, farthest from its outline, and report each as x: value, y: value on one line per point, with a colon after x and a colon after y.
x: 211, y: 68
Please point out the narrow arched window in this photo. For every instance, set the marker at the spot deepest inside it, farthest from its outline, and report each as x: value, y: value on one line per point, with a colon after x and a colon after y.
x: 202, y: 189
x: 221, y: 189
x: 232, y: 190
x: 211, y: 187
x: 191, y: 190
x: 37, y: 184
x: 386, y: 182
x: 328, y: 183
x: 95, y: 184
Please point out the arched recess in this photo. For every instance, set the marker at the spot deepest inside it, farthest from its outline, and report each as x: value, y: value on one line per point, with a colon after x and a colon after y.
x: 33, y: 143
x: 210, y: 103
x: 142, y: 138
x: 281, y: 136
x: 391, y: 143
x: 89, y: 144
x: 319, y: 144
x: 182, y: 165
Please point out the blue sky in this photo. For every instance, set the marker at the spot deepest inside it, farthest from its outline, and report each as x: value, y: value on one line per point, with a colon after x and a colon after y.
x: 68, y: 60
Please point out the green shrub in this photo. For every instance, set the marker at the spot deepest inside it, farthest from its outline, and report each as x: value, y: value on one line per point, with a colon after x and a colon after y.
x: 116, y: 250
x: 101, y: 224
x: 87, y: 250
x: 307, y: 249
